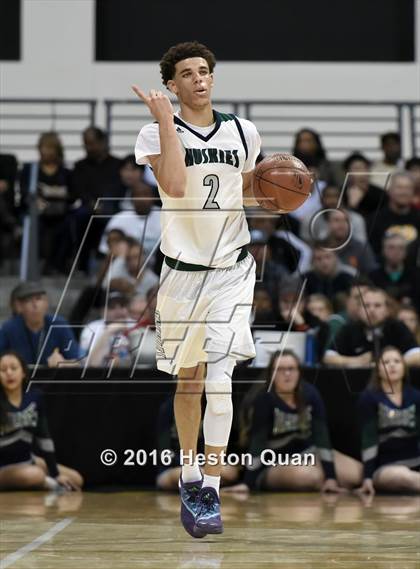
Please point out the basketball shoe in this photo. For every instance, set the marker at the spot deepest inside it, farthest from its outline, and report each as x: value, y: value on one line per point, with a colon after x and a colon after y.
x: 189, y: 492
x: 208, y: 518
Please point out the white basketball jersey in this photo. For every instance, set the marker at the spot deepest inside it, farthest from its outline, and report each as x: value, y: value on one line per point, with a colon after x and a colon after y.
x: 208, y: 225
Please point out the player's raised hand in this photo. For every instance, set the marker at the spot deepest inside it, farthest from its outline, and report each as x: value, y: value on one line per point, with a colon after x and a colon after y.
x: 159, y: 104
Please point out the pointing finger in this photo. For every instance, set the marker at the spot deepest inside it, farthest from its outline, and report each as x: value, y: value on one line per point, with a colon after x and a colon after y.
x: 139, y: 93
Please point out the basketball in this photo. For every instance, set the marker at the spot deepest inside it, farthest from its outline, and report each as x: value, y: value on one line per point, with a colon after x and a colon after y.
x: 281, y: 183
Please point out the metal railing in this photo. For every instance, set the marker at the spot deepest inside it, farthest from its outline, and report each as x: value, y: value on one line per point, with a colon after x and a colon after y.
x: 23, y: 120
x: 344, y: 125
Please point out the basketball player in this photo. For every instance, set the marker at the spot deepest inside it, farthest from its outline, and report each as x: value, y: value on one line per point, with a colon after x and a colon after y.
x: 203, y: 162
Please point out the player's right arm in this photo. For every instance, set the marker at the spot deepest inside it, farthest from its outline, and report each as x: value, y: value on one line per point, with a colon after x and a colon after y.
x: 168, y: 166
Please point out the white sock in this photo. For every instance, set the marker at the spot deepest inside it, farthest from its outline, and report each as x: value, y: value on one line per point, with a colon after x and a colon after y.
x: 191, y: 472
x: 51, y: 484
x: 212, y: 481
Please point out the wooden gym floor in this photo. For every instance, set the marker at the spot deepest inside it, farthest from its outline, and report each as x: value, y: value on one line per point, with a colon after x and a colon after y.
x: 132, y: 530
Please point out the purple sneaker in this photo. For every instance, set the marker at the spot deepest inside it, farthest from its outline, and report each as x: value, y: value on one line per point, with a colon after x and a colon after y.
x: 208, y: 517
x: 189, y: 492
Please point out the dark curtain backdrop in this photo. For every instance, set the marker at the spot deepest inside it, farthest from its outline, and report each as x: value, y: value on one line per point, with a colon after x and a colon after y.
x: 286, y: 30
x: 10, y: 30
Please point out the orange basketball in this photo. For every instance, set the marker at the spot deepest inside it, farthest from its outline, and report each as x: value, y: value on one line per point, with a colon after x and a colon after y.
x: 281, y: 183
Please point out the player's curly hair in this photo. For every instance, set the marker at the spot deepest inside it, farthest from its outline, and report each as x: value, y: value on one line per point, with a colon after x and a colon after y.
x: 183, y: 51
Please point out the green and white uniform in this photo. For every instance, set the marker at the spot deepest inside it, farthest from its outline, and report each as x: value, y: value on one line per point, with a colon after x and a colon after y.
x: 205, y: 293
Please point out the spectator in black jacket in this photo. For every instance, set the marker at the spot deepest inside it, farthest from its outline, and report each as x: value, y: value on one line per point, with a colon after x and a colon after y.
x: 362, y: 196
x: 53, y: 194
x: 399, y: 216
x: 96, y: 176
x: 327, y: 276
x: 8, y: 222
x: 359, y: 343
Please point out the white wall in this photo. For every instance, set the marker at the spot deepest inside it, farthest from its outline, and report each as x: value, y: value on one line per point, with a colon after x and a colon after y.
x: 58, y: 61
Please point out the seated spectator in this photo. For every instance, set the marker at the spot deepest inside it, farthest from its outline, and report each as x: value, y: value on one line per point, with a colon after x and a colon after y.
x: 296, y: 318
x: 24, y: 431
x: 8, y: 222
x: 389, y: 415
x: 142, y: 312
x: 350, y: 310
x: 97, y: 185
x: 391, y: 161
x: 53, y: 197
x: 137, y: 307
x: 291, y: 251
x: 319, y: 306
x: 141, y: 224
x: 410, y: 317
x: 328, y: 276
x: 267, y: 271
x: 360, y: 194
x: 393, y: 275
x: 132, y: 177
x: 39, y: 337
x: 347, y: 246
x: 308, y: 147
x: 399, y: 216
x: 263, y: 220
x: 128, y: 272
x: 98, y: 174
x: 286, y: 247
x: 359, y: 342
x: 263, y: 312
x: 315, y: 228
x: 93, y: 296
x: 102, y: 340
x: 289, y: 417
x: 413, y: 167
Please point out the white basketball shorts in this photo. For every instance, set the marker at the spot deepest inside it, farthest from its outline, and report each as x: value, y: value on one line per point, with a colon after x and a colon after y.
x: 204, y: 311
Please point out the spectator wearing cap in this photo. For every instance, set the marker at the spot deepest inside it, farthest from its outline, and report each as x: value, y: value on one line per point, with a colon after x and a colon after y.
x: 36, y: 335
x: 103, y: 339
x: 360, y: 342
x: 268, y: 272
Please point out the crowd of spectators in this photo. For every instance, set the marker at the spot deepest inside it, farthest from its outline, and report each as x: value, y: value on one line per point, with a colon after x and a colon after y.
x: 317, y: 268
x: 343, y: 270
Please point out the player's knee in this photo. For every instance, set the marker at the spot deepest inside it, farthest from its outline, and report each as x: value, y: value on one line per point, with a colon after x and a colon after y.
x: 185, y: 387
x: 219, y: 397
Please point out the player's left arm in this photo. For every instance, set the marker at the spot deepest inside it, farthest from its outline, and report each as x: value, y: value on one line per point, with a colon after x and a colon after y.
x: 253, y: 143
x: 247, y: 190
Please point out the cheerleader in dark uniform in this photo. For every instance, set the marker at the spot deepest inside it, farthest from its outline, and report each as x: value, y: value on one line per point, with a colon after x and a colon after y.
x: 23, y: 427
x: 390, y: 422
x: 290, y: 420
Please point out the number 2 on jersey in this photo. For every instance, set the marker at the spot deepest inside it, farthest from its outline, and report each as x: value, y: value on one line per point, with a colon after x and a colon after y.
x: 213, y: 181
